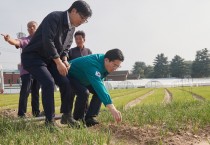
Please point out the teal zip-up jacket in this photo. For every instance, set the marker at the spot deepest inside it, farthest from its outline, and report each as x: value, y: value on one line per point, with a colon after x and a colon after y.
x: 90, y: 70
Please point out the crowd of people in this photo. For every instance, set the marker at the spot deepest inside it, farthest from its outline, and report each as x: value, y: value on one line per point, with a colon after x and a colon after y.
x: 47, y: 60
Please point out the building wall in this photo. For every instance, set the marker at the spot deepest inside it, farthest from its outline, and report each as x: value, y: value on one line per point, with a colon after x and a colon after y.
x: 11, y: 78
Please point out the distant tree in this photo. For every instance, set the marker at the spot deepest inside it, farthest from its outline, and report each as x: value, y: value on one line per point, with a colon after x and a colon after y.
x: 161, y: 68
x: 138, y: 68
x: 177, y: 67
x: 149, y: 72
x: 188, y: 69
x: 201, y: 64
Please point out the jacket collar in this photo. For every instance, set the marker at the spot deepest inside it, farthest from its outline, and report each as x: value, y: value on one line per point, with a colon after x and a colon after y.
x: 67, y: 21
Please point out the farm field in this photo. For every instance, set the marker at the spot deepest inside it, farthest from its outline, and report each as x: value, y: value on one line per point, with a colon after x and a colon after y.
x: 152, y: 116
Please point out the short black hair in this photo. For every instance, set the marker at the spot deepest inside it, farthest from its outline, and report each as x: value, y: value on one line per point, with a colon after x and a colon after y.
x: 82, y: 33
x: 114, y: 54
x: 82, y: 7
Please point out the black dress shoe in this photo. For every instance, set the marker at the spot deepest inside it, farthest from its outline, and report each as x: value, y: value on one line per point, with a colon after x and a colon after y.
x: 52, y: 126
x: 91, y: 121
x: 68, y: 119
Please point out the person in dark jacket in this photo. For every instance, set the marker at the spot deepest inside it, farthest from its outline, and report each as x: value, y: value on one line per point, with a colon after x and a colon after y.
x: 45, y: 57
x: 81, y: 104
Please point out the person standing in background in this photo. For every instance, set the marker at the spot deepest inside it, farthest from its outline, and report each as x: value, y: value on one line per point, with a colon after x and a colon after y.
x: 29, y: 84
x: 81, y: 104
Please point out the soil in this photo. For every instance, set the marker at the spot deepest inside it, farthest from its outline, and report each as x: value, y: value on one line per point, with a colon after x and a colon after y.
x: 168, y: 97
x: 12, y: 113
x: 151, y: 135
x: 135, y: 135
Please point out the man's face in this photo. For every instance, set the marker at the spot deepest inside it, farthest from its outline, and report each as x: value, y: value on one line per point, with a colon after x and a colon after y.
x: 32, y: 28
x: 111, y: 65
x: 79, y: 41
x: 76, y: 18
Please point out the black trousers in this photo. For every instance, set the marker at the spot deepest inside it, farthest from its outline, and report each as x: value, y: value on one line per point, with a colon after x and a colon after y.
x: 29, y: 85
x: 81, y: 102
x: 48, y: 76
x: 82, y: 109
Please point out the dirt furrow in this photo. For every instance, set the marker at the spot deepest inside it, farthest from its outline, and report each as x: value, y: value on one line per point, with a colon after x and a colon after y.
x: 168, y: 97
x: 137, y: 100
x: 194, y: 95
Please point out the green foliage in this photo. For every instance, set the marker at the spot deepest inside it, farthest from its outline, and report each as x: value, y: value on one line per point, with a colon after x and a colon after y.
x: 149, y: 72
x: 161, y: 68
x: 122, y: 101
x: 177, y: 67
x: 183, y: 113
x: 23, y: 133
x: 201, y: 65
x: 156, y: 98
x: 139, y: 68
x: 180, y: 95
x: 202, y: 91
x: 173, y: 117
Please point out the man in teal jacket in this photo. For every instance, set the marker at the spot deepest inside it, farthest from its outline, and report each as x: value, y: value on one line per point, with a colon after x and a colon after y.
x: 89, y: 71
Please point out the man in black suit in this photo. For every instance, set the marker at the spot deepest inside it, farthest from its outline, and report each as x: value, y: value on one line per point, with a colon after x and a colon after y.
x: 46, y: 55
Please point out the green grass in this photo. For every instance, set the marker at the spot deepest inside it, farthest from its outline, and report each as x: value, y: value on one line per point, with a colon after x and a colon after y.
x: 156, y: 98
x: 180, y: 95
x: 24, y: 133
x: 171, y: 117
x: 183, y: 113
x: 202, y: 91
x: 123, y: 92
x: 124, y: 99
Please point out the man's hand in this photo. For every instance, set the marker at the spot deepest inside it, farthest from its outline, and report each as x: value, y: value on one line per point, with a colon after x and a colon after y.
x: 61, y: 67
x: 11, y: 40
x: 6, y: 37
x: 115, y: 113
x: 67, y: 64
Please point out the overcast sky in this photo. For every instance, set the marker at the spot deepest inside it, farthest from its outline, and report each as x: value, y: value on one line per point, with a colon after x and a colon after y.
x: 140, y: 28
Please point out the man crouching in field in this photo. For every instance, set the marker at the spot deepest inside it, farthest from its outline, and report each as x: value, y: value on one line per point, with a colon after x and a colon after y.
x: 90, y: 71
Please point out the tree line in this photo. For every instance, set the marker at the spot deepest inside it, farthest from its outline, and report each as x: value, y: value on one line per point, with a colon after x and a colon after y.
x: 178, y: 67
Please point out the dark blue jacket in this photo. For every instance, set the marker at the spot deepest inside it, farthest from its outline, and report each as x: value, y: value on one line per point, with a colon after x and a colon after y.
x: 47, y: 42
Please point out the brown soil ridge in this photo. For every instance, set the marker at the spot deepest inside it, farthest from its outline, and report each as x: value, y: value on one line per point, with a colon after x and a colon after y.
x: 154, y: 135
x: 168, y: 97
x: 137, y: 100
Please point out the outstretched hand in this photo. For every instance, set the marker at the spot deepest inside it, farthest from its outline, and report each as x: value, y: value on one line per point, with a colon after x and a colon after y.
x: 115, y: 113
x: 6, y: 37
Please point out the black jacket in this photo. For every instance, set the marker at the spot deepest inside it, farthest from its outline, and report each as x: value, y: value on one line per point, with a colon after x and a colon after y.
x: 77, y: 52
x: 47, y: 42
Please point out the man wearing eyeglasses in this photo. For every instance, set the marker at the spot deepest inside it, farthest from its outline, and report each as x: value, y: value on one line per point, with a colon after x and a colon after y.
x: 89, y: 72
x: 46, y: 55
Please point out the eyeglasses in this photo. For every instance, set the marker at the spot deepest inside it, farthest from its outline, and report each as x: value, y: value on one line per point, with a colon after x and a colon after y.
x: 84, y: 19
x: 115, y: 66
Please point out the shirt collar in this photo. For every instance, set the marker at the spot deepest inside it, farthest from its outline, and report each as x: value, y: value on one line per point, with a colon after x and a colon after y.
x: 69, y: 22
x: 81, y: 48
